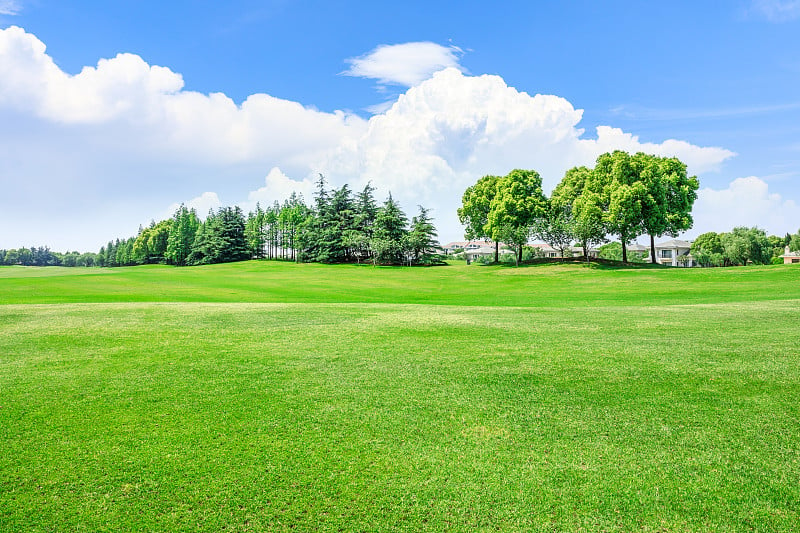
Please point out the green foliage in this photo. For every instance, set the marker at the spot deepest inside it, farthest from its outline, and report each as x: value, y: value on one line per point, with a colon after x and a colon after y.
x: 556, y: 227
x: 627, y: 195
x: 707, y: 250
x: 181, y: 236
x: 743, y: 245
x: 794, y: 243
x: 421, y: 240
x: 475, y: 206
x: 389, y: 240
x: 517, y: 205
x: 578, y: 194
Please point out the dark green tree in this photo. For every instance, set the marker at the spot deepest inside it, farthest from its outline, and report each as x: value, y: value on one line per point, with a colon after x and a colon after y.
x: 518, y: 203
x: 474, y: 211
x: 389, y: 236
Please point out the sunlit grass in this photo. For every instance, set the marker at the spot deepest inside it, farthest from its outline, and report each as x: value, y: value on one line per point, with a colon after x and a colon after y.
x: 606, y: 408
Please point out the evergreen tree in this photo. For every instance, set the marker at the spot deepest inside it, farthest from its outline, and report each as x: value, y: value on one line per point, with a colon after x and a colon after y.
x: 181, y: 235
x: 389, y: 238
x: 421, y: 239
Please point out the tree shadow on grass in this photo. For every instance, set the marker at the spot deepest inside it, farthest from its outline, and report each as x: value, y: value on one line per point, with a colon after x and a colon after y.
x: 594, y: 263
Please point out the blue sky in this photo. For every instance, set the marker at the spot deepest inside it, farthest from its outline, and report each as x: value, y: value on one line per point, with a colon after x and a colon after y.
x: 166, y: 113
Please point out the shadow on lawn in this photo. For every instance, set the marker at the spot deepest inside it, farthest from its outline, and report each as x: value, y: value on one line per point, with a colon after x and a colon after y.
x: 596, y: 264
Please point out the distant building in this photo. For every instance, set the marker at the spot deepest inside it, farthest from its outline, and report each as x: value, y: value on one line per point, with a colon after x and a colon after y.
x: 674, y: 253
x: 790, y: 257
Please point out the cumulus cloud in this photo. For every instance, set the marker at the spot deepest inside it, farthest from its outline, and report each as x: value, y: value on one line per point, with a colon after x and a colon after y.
x: 126, y: 130
x: 404, y: 64
x: 278, y: 187
x: 745, y: 202
x: 777, y: 10
x: 444, y: 133
x: 150, y: 104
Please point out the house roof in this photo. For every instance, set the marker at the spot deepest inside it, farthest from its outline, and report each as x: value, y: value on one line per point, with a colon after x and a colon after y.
x: 464, y: 244
x: 674, y: 243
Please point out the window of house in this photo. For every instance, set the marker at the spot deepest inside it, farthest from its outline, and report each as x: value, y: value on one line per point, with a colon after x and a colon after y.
x: 666, y: 254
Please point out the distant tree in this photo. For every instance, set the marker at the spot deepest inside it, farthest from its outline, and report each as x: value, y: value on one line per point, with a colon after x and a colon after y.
x: 580, y: 194
x: 556, y: 227
x: 389, y: 236
x: 707, y: 249
x: 611, y: 251
x: 254, y: 232
x: 794, y: 242
x: 518, y: 203
x: 746, y: 244
x: 669, y: 195
x: 623, y: 195
x: 181, y: 235
x: 474, y: 211
x: 12, y: 257
x: 293, y: 214
x: 421, y: 239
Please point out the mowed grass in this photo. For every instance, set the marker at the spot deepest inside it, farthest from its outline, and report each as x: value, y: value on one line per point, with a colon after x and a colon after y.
x: 268, y: 396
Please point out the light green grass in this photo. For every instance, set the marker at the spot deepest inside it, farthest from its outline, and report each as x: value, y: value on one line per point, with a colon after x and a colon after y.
x: 267, y: 396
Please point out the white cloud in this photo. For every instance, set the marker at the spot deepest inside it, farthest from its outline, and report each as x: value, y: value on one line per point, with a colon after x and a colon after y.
x: 745, y: 202
x: 278, y: 187
x: 698, y: 159
x: 9, y: 7
x: 404, y: 64
x: 125, y: 131
x: 201, y: 204
x: 444, y: 133
x: 128, y: 98
x: 777, y: 10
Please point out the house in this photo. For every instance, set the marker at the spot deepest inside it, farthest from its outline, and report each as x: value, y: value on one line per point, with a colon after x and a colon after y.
x: 450, y: 247
x: 674, y: 252
x: 546, y: 250
x: 577, y: 251
x: 790, y: 257
x: 571, y: 251
x: 474, y: 253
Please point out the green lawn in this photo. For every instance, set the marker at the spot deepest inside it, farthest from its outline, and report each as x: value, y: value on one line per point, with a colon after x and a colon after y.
x: 274, y: 396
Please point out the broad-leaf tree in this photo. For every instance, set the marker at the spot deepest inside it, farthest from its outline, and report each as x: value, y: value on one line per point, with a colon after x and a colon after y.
x: 580, y: 192
x: 518, y: 203
x: 474, y: 211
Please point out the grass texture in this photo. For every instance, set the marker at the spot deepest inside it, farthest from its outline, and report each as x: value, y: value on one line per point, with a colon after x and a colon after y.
x: 271, y: 396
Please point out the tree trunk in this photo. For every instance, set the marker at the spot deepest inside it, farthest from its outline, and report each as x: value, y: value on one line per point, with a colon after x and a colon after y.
x: 652, y: 249
x: 519, y: 255
x: 586, y: 251
x: 624, y: 251
x: 497, y: 252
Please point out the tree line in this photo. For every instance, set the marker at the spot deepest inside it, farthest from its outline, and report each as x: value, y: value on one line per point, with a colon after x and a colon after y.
x: 340, y: 227
x: 742, y: 246
x: 624, y: 195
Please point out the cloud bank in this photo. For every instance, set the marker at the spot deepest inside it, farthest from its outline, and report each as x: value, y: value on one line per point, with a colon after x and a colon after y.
x: 121, y: 141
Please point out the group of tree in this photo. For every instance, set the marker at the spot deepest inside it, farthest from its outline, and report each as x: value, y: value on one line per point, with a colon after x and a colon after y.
x: 339, y: 227
x: 742, y: 246
x: 43, y: 256
x: 624, y: 195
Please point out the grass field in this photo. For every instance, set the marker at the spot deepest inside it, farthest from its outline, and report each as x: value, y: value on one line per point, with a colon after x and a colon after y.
x: 273, y: 396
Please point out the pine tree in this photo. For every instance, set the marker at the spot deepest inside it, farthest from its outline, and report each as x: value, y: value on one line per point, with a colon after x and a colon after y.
x: 389, y: 238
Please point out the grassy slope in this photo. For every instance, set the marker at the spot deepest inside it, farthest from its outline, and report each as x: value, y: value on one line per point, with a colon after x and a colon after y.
x: 541, y: 398
x: 536, y: 286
